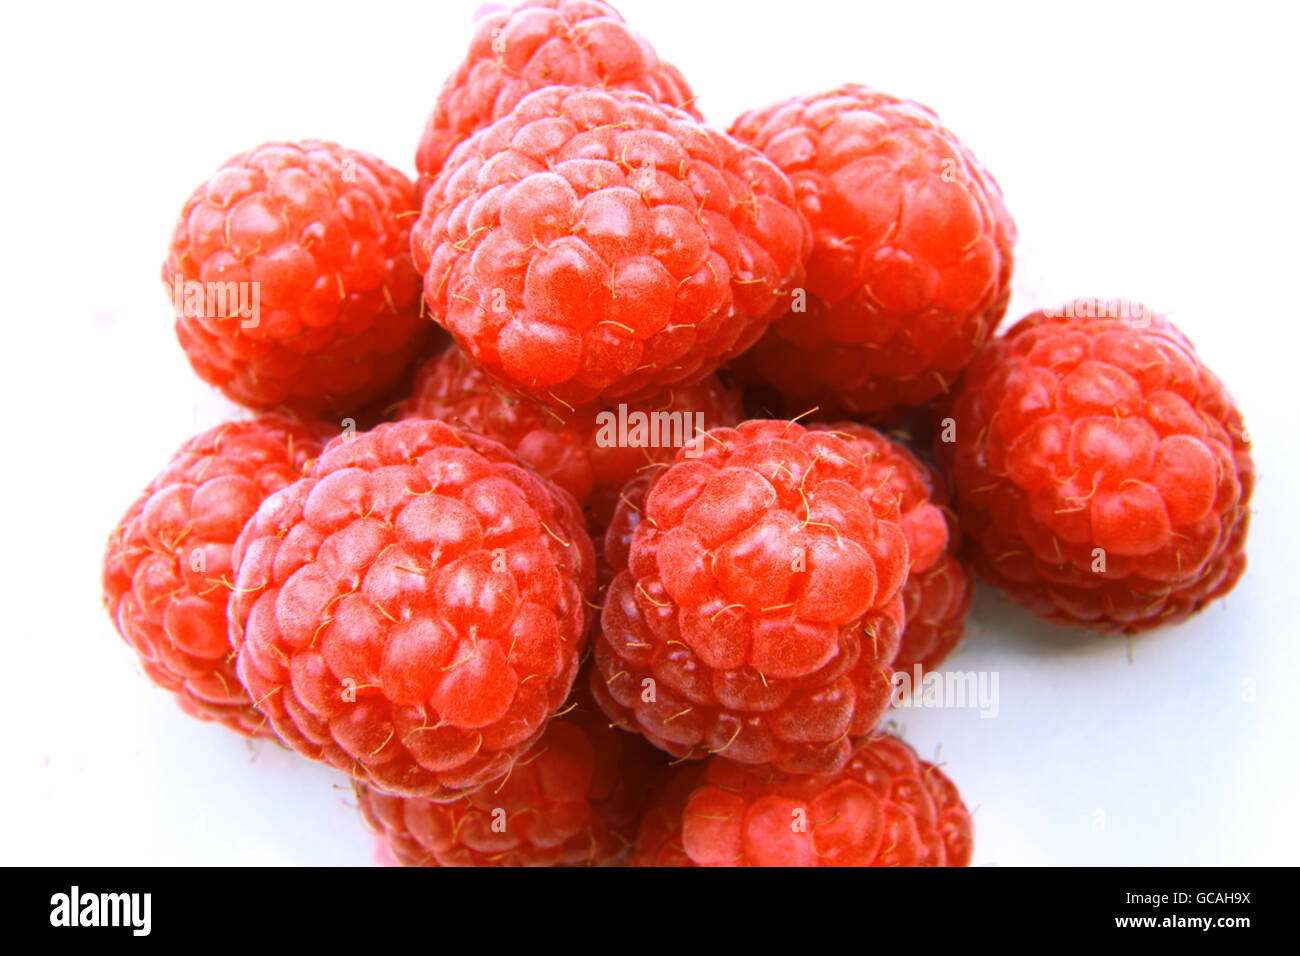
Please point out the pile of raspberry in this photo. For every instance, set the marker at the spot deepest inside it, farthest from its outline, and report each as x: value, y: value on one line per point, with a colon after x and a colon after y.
x: 679, y: 446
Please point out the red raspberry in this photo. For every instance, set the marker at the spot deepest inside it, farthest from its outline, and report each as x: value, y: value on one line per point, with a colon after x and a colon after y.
x: 910, y: 270
x: 540, y: 43
x: 1102, y: 472
x: 571, y: 448
x: 886, y: 807
x: 755, y: 611
x: 594, y: 246
x: 575, y: 799
x: 939, y: 589
x: 167, y: 571
x: 316, y: 237
x: 413, y: 610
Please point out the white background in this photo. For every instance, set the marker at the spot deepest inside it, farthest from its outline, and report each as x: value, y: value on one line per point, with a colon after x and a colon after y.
x: 1145, y: 151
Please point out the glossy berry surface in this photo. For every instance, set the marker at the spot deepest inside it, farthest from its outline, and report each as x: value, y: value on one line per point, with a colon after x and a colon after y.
x: 940, y: 588
x: 910, y: 270
x: 886, y: 807
x: 594, y: 246
x: 167, y: 569
x: 581, y: 43
x: 755, y: 608
x: 1103, y: 474
x: 413, y: 610
x: 582, y: 451
x: 575, y: 799
x: 315, y: 239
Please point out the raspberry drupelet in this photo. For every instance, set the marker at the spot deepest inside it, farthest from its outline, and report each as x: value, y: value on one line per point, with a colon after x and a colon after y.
x: 571, y: 448
x: 1103, y: 475
x: 581, y: 43
x: 574, y: 800
x: 167, y: 571
x: 886, y: 807
x: 755, y: 606
x: 291, y: 279
x: 910, y: 270
x: 413, y: 611
x: 594, y: 246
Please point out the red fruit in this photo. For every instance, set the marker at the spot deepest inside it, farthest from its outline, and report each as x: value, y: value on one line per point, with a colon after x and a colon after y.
x: 581, y: 451
x: 313, y: 240
x: 886, y: 807
x: 1103, y: 475
x: 575, y: 799
x: 582, y: 43
x: 939, y: 589
x: 755, y: 609
x: 910, y: 270
x: 413, y: 610
x: 167, y: 570
x: 593, y: 246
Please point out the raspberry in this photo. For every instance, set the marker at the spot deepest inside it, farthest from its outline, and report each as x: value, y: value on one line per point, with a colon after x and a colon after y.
x: 574, y: 799
x: 755, y: 607
x: 594, y: 246
x: 413, y: 610
x: 886, y: 807
x: 582, y: 43
x: 939, y: 589
x: 167, y: 569
x: 1103, y: 475
x: 313, y: 241
x: 910, y: 270
x: 571, y: 448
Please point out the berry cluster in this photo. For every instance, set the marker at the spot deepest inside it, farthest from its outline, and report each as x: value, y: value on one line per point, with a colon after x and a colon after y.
x: 563, y: 555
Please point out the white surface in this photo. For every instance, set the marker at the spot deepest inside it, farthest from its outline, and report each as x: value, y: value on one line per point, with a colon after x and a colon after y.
x: 1145, y: 151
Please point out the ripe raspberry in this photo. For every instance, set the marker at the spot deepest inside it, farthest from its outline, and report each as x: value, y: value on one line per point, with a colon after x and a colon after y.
x: 413, y: 610
x: 756, y: 609
x: 575, y: 799
x: 939, y: 589
x: 594, y: 246
x: 886, y: 807
x: 1102, y: 472
x: 167, y: 571
x: 571, y: 448
x: 316, y: 237
x: 582, y: 43
x: 910, y: 270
